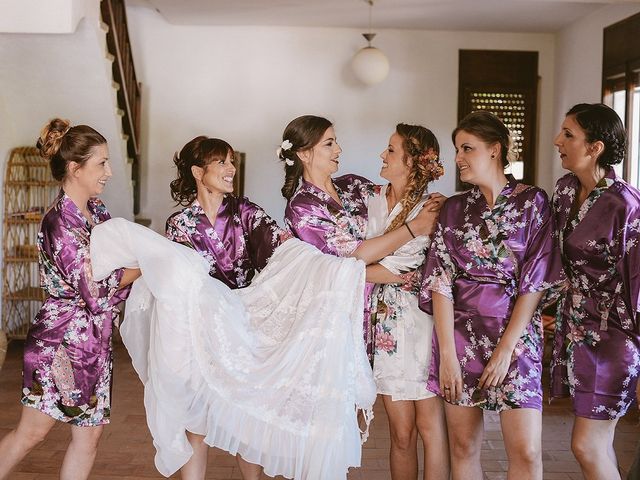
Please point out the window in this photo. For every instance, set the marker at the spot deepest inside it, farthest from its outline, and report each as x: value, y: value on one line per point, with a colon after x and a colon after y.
x: 621, y: 87
x: 504, y: 83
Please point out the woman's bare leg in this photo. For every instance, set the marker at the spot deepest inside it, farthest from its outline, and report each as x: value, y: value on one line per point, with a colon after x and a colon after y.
x: 592, y: 445
x: 196, y: 467
x: 522, y: 433
x: 432, y: 428
x: 31, y: 430
x: 81, y: 452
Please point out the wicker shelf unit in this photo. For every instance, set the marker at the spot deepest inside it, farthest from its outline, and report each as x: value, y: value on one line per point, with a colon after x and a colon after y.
x: 29, y: 189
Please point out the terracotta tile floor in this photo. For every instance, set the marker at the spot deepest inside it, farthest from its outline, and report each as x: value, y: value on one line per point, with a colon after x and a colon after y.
x: 126, y: 451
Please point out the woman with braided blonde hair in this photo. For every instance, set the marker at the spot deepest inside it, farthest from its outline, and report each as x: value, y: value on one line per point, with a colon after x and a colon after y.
x: 401, y: 331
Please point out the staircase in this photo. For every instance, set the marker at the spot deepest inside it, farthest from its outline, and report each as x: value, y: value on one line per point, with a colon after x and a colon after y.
x: 114, y: 17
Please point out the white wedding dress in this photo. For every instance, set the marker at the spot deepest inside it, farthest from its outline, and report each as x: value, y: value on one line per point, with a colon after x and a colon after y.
x: 275, y: 371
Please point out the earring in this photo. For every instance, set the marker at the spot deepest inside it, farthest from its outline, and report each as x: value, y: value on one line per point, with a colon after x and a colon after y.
x: 493, y: 156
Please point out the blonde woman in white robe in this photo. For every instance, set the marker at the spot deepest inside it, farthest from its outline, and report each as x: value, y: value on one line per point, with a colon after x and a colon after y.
x: 401, y: 333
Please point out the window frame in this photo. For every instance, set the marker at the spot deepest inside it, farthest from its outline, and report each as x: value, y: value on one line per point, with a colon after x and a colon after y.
x: 502, y: 71
x: 621, y: 62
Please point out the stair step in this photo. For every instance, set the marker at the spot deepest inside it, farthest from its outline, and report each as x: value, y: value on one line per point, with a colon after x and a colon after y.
x: 110, y: 57
x: 120, y: 112
x: 104, y: 26
x: 129, y: 160
x: 115, y: 85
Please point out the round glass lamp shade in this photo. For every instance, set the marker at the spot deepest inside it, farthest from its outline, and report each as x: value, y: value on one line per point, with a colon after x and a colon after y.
x: 370, y: 65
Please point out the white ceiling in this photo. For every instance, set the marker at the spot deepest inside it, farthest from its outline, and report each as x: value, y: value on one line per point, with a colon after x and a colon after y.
x: 476, y: 15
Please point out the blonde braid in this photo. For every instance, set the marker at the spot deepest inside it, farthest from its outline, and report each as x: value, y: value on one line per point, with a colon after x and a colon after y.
x: 416, y: 185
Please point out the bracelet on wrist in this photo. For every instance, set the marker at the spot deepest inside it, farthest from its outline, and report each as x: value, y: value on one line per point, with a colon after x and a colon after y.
x: 409, y: 228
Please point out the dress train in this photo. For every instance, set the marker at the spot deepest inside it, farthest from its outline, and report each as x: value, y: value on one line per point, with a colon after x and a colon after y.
x: 275, y: 371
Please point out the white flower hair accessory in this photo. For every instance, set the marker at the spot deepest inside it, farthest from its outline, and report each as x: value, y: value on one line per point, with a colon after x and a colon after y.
x: 284, y: 146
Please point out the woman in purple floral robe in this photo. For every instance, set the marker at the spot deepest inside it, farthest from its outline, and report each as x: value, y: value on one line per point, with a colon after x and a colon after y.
x: 490, y: 262
x: 234, y: 235
x: 68, y: 354
x: 331, y: 213
x: 597, y: 342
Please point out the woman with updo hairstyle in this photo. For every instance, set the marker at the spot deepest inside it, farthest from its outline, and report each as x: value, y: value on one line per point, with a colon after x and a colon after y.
x: 234, y: 235
x: 68, y: 352
x: 401, y: 331
x: 597, y: 341
x: 491, y: 260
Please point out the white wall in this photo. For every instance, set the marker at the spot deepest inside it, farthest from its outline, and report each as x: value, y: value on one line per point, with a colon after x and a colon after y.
x: 578, y: 67
x: 38, y: 16
x: 64, y: 75
x: 244, y: 84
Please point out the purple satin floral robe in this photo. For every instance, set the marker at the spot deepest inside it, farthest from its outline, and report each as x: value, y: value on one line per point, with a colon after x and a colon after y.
x: 313, y: 216
x: 597, y: 342
x: 68, y: 354
x: 240, y: 243
x: 482, y: 259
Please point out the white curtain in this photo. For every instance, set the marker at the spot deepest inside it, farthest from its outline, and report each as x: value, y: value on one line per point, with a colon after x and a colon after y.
x: 275, y: 371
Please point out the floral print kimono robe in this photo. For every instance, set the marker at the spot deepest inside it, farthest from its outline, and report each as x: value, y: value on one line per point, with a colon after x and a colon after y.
x: 481, y: 259
x: 402, y: 338
x: 240, y: 242
x: 68, y: 354
x: 597, y: 342
x: 313, y: 216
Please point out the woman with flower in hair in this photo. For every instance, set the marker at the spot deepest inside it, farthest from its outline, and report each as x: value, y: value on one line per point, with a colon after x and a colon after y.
x: 68, y: 353
x: 597, y: 342
x: 234, y: 235
x: 491, y: 260
x: 331, y: 213
x: 402, y: 338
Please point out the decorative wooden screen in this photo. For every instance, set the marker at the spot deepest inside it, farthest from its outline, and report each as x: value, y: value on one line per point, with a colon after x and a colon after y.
x: 504, y: 83
x: 28, y: 190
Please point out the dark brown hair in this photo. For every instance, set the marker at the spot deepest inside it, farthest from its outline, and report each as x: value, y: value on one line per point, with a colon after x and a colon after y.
x: 60, y: 143
x: 422, y: 147
x: 303, y: 133
x: 199, y: 152
x: 488, y: 128
x: 602, y: 123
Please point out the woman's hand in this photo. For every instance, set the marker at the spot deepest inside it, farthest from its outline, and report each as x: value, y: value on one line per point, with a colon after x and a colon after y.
x: 496, y: 369
x: 425, y: 221
x: 450, y: 378
x: 129, y: 276
x: 434, y: 202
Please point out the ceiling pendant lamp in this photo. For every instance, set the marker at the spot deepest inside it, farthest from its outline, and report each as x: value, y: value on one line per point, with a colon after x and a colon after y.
x: 370, y: 65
